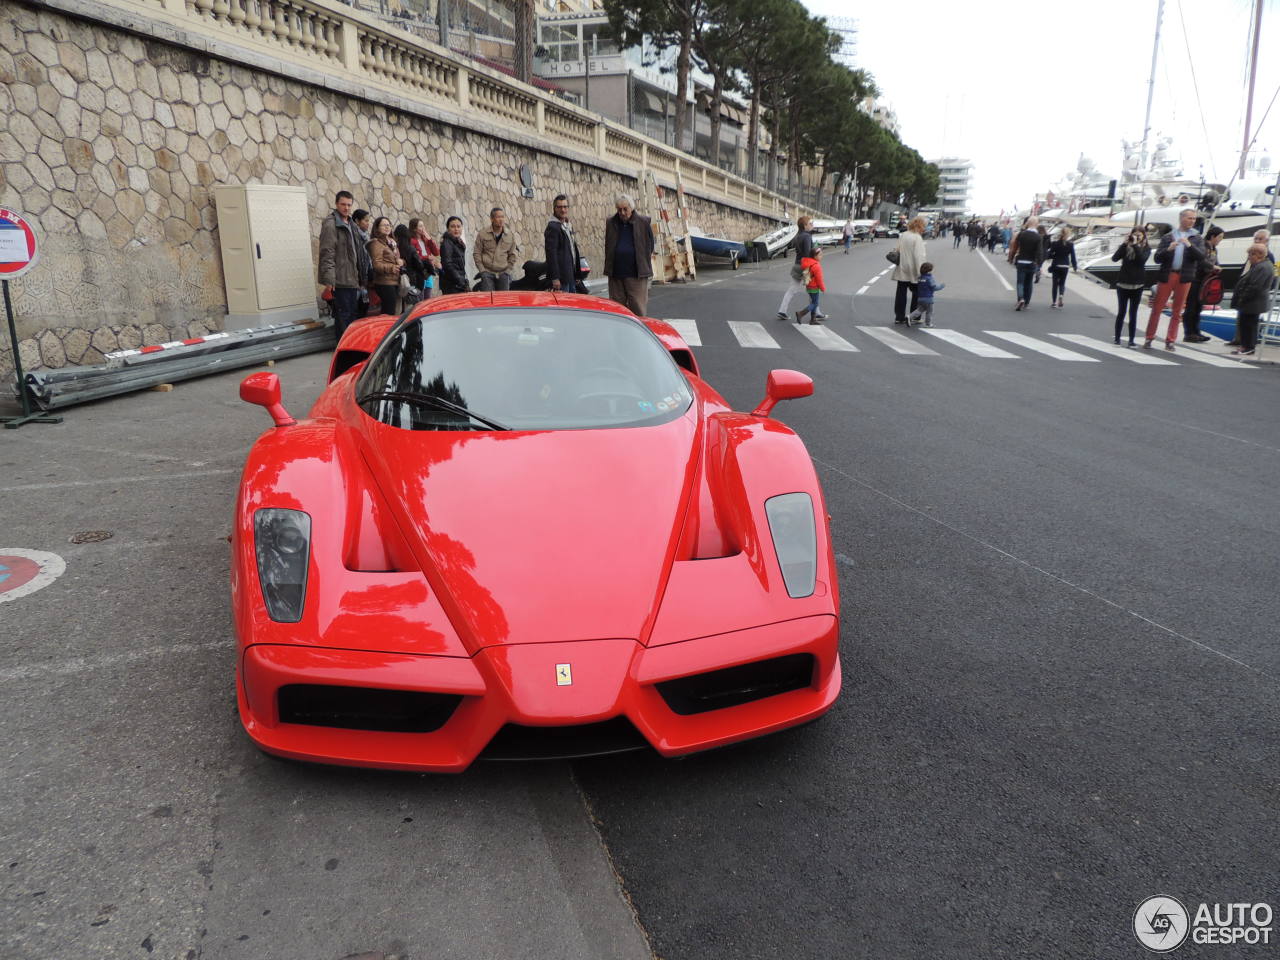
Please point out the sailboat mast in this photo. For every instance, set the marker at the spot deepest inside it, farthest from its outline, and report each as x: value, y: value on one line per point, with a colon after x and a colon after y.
x: 1253, y: 75
x: 1151, y: 84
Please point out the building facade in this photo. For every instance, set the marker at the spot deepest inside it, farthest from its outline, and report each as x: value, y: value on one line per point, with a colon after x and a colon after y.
x: 575, y: 51
x: 955, y: 185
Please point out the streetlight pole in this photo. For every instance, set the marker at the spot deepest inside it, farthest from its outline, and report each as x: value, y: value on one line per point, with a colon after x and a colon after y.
x: 853, y: 204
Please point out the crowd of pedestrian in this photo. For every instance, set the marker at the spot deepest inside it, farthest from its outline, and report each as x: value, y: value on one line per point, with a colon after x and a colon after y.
x: 980, y: 234
x: 1189, y: 279
x: 368, y: 266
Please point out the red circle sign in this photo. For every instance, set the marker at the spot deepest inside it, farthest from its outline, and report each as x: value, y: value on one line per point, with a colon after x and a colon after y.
x: 17, y: 245
x: 26, y: 571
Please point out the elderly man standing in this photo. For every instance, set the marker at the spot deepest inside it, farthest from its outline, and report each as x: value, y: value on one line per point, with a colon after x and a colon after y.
x: 339, y: 266
x: 495, y: 253
x: 628, y: 253
x: 1179, y: 256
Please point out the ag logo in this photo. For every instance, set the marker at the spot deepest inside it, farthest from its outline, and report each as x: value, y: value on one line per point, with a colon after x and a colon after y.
x: 1160, y: 924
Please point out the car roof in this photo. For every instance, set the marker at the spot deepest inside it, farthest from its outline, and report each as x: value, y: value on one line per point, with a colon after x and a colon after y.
x: 518, y: 298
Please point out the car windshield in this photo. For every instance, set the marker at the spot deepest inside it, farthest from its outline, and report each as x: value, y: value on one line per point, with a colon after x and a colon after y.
x: 530, y: 369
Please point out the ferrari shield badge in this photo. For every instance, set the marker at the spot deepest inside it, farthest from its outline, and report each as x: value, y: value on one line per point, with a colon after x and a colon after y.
x: 564, y: 675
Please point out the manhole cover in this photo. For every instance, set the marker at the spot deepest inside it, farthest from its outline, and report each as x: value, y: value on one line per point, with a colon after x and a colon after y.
x: 90, y: 536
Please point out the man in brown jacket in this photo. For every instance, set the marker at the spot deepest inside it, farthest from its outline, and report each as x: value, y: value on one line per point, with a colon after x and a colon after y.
x: 628, y: 252
x: 339, y: 266
x: 495, y: 253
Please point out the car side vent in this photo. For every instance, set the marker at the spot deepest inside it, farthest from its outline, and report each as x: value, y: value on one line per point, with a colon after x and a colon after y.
x: 733, y: 686
x: 366, y: 708
x: 518, y: 742
x: 345, y: 360
x: 684, y: 359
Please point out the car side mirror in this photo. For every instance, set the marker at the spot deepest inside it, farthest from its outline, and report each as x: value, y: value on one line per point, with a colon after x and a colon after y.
x: 783, y: 385
x: 263, y: 389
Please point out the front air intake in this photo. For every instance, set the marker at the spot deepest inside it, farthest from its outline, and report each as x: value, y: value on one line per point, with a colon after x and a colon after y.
x: 366, y: 708
x: 733, y: 686
x: 519, y: 742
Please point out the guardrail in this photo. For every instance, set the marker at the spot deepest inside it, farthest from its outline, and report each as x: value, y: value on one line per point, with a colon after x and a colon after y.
x: 323, y: 36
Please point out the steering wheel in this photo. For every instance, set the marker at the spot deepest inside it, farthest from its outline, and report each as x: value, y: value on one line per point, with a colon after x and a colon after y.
x: 612, y: 385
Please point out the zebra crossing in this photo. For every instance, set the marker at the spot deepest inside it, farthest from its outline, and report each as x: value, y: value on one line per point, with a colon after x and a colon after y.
x: 753, y: 335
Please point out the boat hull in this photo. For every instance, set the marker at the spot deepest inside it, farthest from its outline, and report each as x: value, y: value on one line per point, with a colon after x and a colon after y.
x: 775, y: 242
x: 717, y: 247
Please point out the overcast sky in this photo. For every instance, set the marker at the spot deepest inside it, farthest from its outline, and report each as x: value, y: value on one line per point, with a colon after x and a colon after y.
x: 1023, y: 88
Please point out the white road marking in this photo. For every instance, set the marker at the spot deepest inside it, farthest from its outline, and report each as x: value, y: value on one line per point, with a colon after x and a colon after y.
x: 999, y: 276
x: 119, y: 451
x: 1040, y: 570
x: 897, y: 342
x: 122, y: 481
x: 751, y: 334
x: 1213, y: 433
x: 966, y: 342
x: 73, y: 665
x: 1186, y: 353
x: 1199, y: 356
x: 689, y: 330
x: 824, y: 339
x: 873, y: 280
x: 1031, y: 343
x: 862, y: 290
x: 1132, y: 354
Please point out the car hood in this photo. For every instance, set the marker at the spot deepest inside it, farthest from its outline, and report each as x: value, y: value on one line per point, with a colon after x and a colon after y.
x: 532, y: 537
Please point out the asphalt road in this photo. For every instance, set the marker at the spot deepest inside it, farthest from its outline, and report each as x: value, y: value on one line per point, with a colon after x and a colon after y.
x: 1059, y: 654
x: 1059, y: 647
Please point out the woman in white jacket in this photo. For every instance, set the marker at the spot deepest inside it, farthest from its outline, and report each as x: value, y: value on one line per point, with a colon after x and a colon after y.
x: 907, y: 272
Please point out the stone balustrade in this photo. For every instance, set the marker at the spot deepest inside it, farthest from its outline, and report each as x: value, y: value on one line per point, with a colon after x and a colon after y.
x: 335, y: 40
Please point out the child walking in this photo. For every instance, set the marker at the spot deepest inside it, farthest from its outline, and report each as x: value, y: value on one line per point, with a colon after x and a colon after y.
x: 924, y: 305
x: 813, y: 286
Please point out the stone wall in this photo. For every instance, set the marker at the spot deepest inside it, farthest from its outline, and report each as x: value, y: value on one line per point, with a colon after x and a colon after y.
x: 111, y: 143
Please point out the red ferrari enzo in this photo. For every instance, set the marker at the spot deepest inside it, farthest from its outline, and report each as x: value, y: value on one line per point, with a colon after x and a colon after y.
x: 522, y: 525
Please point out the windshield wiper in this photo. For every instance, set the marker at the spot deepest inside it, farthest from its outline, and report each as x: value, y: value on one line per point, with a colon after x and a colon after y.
x: 430, y: 400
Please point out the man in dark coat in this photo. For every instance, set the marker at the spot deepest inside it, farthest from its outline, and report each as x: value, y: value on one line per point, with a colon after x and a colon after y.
x: 1252, y: 297
x: 561, y: 249
x: 628, y: 253
x: 1026, y: 254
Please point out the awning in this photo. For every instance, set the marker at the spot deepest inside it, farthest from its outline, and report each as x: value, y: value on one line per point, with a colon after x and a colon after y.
x: 651, y: 102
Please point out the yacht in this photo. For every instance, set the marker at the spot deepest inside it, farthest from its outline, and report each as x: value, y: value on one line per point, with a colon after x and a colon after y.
x: 1243, y: 211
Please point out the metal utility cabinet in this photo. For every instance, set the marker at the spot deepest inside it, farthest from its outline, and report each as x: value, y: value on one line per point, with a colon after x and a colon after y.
x: 265, y: 233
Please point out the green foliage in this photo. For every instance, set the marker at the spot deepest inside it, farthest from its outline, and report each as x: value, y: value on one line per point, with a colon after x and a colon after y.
x: 781, y: 58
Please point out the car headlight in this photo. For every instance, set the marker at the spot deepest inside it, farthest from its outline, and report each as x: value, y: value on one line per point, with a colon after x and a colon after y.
x: 795, y: 540
x: 282, y: 542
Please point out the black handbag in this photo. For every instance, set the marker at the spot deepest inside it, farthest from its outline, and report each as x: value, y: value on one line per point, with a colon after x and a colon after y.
x: 892, y: 257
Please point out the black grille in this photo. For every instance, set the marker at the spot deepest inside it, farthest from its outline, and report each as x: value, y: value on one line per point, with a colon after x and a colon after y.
x: 732, y: 686
x: 518, y: 742
x: 365, y: 708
